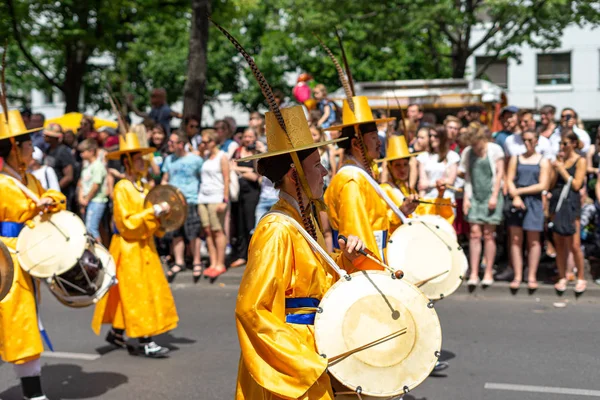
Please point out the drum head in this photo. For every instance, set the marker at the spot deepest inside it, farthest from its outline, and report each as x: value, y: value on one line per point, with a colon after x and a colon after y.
x: 175, y: 219
x: 423, y: 250
x: 370, y: 306
x: 52, y: 245
x: 109, y: 279
x: 440, y: 222
x: 6, y: 271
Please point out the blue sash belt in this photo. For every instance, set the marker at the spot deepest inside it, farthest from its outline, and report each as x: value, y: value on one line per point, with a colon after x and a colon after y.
x: 10, y: 229
x: 301, y: 302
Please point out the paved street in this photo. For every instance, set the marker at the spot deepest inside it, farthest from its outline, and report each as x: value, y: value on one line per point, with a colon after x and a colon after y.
x: 492, y: 340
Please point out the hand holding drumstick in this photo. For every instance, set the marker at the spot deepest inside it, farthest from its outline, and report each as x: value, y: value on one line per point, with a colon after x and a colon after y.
x: 397, y: 273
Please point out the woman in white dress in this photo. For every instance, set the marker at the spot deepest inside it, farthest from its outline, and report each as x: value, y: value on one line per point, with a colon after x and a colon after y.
x: 439, y: 165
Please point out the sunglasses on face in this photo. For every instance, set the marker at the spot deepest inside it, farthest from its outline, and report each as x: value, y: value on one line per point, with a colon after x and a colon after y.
x: 173, y: 141
x: 206, y: 141
x: 564, y: 143
x: 564, y: 116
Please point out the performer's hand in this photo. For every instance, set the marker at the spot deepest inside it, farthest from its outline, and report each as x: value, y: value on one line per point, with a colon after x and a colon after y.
x: 166, y: 208
x: 410, y: 204
x: 351, y: 247
x: 45, y: 202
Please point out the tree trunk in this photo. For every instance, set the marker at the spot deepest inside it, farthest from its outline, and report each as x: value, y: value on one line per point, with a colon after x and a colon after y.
x: 76, y: 65
x: 459, y: 61
x: 193, y: 91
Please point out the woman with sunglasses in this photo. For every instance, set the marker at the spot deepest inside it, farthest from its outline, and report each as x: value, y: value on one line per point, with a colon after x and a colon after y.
x: 565, y: 209
x: 528, y: 176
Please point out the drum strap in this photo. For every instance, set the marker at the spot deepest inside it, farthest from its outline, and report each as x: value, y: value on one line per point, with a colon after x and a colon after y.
x: 23, y: 188
x: 312, y: 242
x: 378, y: 190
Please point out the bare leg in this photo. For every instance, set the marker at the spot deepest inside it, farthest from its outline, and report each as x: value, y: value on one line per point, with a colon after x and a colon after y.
x: 576, y: 250
x: 561, y: 259
x: 179, y: 250
x: 489, y: 250
x: 516, y: 245
x: 210, y: 244
x: 220, y: 243
x: 534, y: 251
x: 475, y: 250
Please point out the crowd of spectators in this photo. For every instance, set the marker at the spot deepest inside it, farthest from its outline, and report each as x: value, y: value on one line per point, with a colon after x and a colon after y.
x: 532, y: 182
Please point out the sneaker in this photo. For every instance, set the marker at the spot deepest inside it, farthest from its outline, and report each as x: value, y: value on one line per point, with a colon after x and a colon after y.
x: 36, y: 398
x: 150, y: 350
x: 440, y: 366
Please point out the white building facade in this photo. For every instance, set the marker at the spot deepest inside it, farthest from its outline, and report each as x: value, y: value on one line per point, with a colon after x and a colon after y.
x: 568, y: 76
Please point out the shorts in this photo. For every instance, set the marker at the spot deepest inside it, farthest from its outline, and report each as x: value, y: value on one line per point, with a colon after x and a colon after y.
x: 211, y: 218
x: 191, y: 227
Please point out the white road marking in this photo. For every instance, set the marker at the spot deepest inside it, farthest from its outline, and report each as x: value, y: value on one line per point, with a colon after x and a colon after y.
x: 72, y: 356
x: 542, y: 389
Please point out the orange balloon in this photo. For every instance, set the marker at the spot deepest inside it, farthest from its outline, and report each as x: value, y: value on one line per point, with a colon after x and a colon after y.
x: 311, y: 104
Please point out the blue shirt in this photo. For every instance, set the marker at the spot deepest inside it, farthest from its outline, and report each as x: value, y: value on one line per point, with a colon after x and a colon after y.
x: 184, y: 174
x: 162, y: 115
x: 500, y: 137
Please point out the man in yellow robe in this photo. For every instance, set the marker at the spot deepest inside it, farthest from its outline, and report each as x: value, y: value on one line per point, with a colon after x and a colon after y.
x: 20, y: 339
x: 141, y: 304
x: 354, y: 206
x: 397, y: 186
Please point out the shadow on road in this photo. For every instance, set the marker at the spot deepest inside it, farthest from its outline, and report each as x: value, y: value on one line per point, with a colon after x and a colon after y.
x: 68, y: 381
x: 446, y: 355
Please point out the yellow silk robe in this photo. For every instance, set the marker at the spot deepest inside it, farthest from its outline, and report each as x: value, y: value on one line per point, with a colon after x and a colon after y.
x: 141, y: 302
x: 20, y: 339
x: 279, y: 360
x: 355, y: 208
x: 445, y: 212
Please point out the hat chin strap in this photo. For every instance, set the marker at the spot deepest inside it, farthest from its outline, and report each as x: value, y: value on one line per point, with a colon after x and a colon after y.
x: 302, y: 183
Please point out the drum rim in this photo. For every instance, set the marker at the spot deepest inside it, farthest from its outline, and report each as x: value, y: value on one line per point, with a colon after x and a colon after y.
x: 26, y: 229
x: 88, y: 300
x: 456, y: 253
x: 7, y: 280
x: 417, y: 293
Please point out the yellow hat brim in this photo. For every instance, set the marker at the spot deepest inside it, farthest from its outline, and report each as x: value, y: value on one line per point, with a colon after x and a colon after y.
x: 375, y: 121
x: 115, y: 155
x: 287, y: 151
x: 12, y: 135
x: 409, y: 155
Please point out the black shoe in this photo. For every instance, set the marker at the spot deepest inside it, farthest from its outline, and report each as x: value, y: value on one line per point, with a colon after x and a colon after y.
x: 440, y: 366
x: 150, y: 350
x: 116, y: 339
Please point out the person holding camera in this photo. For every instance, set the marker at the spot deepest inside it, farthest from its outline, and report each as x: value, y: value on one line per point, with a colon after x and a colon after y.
x: 243, y: 211
x: 527, y: 179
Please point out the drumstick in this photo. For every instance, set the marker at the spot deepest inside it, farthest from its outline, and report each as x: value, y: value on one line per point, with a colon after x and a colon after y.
x: 435, y: 204
x: 397, y: 273
x: 393, y: 335
x: 454, y: 188
x: 424, y: 281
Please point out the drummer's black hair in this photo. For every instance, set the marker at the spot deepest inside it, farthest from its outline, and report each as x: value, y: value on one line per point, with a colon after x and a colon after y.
x: 124, y: 157
x: 276, y: 167
x: 6, y: 145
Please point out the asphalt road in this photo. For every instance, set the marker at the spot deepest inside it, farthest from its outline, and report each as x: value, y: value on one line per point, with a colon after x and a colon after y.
x: 500, y: 348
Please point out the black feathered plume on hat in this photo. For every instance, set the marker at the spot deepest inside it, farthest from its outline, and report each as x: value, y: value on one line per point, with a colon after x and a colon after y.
x: 3, y: 95
x: 350, y: 80
x: 340, y: 71
x: 262, y: 82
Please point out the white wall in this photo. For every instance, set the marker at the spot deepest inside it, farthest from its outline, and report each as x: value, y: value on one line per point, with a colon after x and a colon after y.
x: 583, y: 94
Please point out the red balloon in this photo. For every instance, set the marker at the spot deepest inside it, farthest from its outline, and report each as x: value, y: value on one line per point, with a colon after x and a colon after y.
x: 301, y: 92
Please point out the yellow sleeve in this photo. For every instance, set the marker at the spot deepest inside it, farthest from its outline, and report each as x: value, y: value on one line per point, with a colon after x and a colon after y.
x: 444, y: 211
x: 59, y: 199
x: 395, y: 220
x: 132, y: 225
x: 355, y: 218
x: 275, y: 354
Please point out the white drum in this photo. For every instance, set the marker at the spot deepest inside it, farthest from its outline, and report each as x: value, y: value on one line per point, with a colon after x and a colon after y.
x: 51, y: 244
x: 441, y: 222
x: 60, y: 288
x: 424, y: 251
x: 392, y: 323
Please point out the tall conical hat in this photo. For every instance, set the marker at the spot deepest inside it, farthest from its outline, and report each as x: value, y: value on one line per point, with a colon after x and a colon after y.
x: 13, y: 126
x: 287, y: 129
x: 397, y: 148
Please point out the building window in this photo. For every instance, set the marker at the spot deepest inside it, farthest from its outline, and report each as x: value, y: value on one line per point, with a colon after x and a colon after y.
x: 554, y: 69
x: 48, y: 96
x: 495, y: 71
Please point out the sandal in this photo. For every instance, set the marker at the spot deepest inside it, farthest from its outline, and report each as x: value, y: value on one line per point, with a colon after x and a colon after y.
x: 214, y: 272
x: 197, y: 272
x: 561, y: 286
x: 580, y: 286
x: 172, y: 273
